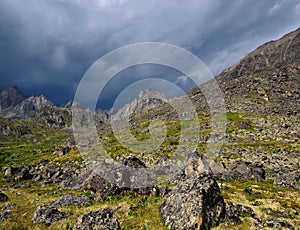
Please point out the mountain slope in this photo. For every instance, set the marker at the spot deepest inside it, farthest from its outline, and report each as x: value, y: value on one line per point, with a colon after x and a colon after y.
x: 267, y: 80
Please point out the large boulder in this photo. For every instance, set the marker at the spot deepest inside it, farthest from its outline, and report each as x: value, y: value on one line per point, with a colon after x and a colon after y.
x: 102, y: 188
x: 196, y: 201
x: 240, y: 170
x: 91, y: 181
x: 102, y: 219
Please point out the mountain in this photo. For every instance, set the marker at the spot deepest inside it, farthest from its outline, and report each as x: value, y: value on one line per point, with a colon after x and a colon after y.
x: 266, y: 80
x: 14, y: 103
x: 145, y: 100
x: 10, y: 97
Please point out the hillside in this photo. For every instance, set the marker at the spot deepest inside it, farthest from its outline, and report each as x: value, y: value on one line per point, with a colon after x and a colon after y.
x: 254, y: 182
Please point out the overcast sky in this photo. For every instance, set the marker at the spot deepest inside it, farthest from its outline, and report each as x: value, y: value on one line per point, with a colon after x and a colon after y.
x: 46, y: 46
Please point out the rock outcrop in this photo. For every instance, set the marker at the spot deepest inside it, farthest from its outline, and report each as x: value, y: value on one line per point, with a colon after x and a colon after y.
x: 72, y: 199
x: 102, y: 219
x: 48, y: 215
x: 196, y: 201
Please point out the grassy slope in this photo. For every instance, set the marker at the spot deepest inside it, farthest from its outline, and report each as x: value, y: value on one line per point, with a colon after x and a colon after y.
x: 135, y: 211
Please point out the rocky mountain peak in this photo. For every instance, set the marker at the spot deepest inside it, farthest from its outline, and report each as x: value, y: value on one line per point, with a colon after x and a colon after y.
x: 145, y: 100
x: 10, y: 97
x: 14, y: 103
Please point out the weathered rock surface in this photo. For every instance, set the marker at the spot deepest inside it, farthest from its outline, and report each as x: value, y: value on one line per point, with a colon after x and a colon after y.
x: 42, y: 172
x: 287, y: 178
x: 195, y: 202
x: 240, y: 170
x: 3, y: 197
x: 72, y: 199
x: 48, y: 215
x: 102, y: 219
x: 235, y: 212
x: 277, y: 224
x: 4, y: 215
x: 102, y: 188
x: 89, y: 180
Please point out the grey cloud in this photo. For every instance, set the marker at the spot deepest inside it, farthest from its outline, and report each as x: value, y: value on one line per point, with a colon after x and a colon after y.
x: 46, y: 46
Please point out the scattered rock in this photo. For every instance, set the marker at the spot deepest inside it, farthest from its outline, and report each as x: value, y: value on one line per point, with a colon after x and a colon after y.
x: 4, y: 215
x: 196, y: 200
x: 234, y: 212
x: 102, y: 188
x: 3, y: 197
x: 244, y: 170
x: 89, y: 180
x: 9, y: 206
x: 133, y: 162
x: 48, y: 215
x: 72, y: 199
x: 62, y: 151
x: 272, y: 212
x: 248, y: 190
x: 102, y: 219
x: 277, y: 224
x: 288, y: 180
x: 244, y: 125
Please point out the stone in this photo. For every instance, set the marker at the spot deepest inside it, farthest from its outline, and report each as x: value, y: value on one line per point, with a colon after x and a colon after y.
x: 4, y: 215
x: 102, y: 219
x: 275, y: 213
x: 9, y: 206
x: 3, y: 197
x: 195, y: 202
x: 277, y: 224
x: 234, y: 212
x: 245, y: 170
x: 133, y: 162
x: 48, y: 215
x: 288, y: 180
x: 72, y: 199
x: 101, y: 188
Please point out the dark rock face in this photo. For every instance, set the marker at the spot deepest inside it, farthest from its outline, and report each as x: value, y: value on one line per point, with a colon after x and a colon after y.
x: 247, y: 170
x: 4, y: 215
x: 48, y: 215
x: 277, y: 224
x: 17, y: 173
x: 71, y: 199
x: 42, y: 172
x: 195, y: 202
x: 26, y: 108
x: 102, y: 219
x: 133, y: 162
x: 234, y: 212
x: 241, y: 170
x: 271, y: 212
x: 3, y: 197
x: 288, y: 179
x: 89, y: 180
x: 101, y: 187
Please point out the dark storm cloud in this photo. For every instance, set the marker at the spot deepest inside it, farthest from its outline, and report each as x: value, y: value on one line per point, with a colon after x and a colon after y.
x: 46, y: 46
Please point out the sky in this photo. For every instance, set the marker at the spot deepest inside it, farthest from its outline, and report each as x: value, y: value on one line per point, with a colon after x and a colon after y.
x: 46, y: 46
